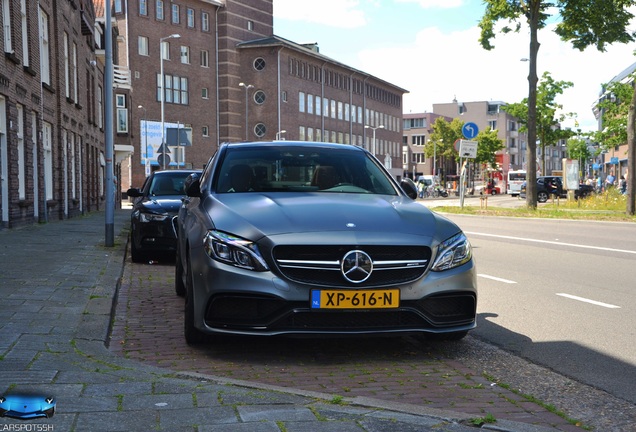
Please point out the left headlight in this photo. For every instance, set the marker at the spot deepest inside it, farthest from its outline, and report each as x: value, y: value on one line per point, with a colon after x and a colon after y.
x: 452, y: 253
x: 234, y: 250
x: 152, y: 217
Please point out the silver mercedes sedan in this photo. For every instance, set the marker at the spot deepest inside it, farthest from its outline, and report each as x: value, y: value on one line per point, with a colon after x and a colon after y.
x: 310, y: 238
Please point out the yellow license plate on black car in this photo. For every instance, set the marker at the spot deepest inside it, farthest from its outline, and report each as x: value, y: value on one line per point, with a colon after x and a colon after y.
x: 355, y: 299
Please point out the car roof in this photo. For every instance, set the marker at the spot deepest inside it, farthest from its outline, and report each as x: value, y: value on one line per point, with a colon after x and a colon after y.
x: 287, y: 143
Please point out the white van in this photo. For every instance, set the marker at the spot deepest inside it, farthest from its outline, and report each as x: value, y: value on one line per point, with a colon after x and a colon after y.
x: 428, y: 180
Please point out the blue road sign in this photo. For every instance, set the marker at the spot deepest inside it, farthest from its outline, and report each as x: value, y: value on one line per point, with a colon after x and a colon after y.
x: 470, y: 130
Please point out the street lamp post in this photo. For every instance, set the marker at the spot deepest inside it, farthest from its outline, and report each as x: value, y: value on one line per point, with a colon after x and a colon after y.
x: 374, y: 129
x: 147, y: 162
x: 279, y: 135
x: 163, y: 95
x: 247, y: 89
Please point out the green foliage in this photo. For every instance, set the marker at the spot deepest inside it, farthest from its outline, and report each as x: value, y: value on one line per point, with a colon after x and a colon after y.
x: 488, y: 144
x: 614, y: 106
x: 443, y: 137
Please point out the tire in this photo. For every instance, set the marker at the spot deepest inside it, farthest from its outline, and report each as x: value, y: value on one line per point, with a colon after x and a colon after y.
x: 493, y: 192
x: 192, y: 335
x: 179, y: 286
x: 542, y: 197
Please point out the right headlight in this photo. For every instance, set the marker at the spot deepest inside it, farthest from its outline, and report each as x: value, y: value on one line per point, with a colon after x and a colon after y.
x: 234, y: 250
x: 452, y: 253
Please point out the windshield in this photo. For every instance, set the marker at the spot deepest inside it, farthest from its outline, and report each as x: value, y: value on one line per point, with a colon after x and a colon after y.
x: 300, y: 168
x: 168, y: 184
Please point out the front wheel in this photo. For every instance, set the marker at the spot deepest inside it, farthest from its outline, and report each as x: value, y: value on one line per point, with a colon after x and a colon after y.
x: 192, y: 335
x: 542, y: 197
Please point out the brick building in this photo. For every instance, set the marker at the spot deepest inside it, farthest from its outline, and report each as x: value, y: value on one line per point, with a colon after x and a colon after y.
x: 229, y: 78
x: 51, y: 141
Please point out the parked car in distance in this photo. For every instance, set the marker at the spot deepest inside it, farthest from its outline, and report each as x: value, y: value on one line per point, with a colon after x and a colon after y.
x: 154, y: 207
x: 553, y: 185
x: 310, y: 238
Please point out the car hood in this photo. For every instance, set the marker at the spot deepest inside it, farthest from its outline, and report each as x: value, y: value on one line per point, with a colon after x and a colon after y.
x: 162, y: 204
x: 254, y: 215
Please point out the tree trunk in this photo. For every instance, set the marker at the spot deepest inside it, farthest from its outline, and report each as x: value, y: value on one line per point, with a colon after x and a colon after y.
x: 531, y: 149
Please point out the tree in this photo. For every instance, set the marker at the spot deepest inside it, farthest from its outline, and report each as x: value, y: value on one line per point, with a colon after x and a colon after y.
x: 488, y: 144
x: 617, y: 107
x: 582, y: 22
x: 549, y: 115
x: 578, y: 149
x: 443, y: 138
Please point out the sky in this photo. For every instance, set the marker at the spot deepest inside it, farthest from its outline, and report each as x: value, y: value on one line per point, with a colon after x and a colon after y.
x: 431, y: 49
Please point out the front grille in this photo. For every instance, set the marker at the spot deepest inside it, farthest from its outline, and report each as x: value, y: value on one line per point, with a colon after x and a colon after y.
x: 265, y: 313
x: 321, y: 265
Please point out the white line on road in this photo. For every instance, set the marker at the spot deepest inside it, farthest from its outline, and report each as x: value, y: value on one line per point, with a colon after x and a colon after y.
x: 552, y: 242
x: 573, y: 297
x: 496, y: 278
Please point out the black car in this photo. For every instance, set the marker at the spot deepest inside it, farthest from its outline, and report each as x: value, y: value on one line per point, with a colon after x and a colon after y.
x: 154, y: 207
x: 548, y: 186
x: 309, y: 238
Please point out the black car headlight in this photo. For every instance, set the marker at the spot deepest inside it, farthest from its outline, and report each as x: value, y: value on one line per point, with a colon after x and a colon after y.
x: 234, y: 250
x: 453, y: 252
x: 152, y: 217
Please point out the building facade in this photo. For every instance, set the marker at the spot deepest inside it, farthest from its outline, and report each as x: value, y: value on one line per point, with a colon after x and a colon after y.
x: 227, y: 78
x: 417, y: 130
x: 51, y: 139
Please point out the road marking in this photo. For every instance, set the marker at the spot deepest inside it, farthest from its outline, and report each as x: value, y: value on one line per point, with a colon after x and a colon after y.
x: 573, y: 297
x: 552, y: 242
x: 496, y: 278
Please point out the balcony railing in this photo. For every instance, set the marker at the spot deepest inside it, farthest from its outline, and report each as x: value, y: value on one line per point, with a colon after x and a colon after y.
x: 121, y: 77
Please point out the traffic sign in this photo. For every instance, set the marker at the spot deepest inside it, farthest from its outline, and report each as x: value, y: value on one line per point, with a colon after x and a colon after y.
x: 468, y: 149
x: 470, y: 130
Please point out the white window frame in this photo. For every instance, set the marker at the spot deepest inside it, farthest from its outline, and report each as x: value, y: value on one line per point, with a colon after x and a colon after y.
x: 67, y: 66
x: 205, y: 21
x: 45, y: 54
x: 47, y: 153
x: 185, y: 54
x: 122, y: 113
x: 174, y: 15
x: 160, y: 12
x: 142, y: 45
x: 6, y: 26
x: 21, y: 155
x: 205, y: 58
x: 143, y: 7
x: 205, y: 94
x: 75, y: 75
x: 190, y: 18
x: 25, y: 33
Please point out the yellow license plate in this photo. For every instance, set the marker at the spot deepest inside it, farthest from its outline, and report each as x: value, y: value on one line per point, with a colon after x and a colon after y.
x: 355, y: 299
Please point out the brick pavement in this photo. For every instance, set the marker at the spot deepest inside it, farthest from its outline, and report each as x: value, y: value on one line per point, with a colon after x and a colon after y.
x: 148, y: 328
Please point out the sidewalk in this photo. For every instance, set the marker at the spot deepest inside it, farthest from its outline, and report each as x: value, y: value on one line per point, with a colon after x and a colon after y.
x: 58, y: 288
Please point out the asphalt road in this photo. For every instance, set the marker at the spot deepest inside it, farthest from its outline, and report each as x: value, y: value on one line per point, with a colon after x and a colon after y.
x: 561, y: 294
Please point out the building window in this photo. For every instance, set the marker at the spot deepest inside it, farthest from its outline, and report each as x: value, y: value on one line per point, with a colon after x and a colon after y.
x: 418, y: 140
x: 333, y: 108
x: 100, y: 107
x: 205, y: 131
x: 259, y: 64
x: 44, y: 48
x: 259, y: 97
x: 21, y: 158
x: 205, y: 21
x: 175, y: 89
x: 47, y: 149
x: 159, y: 12
x: 283, y: 96
x: 340, y: 111
x: 75, y: 75
x: 122, y: 114
x: 67, y: 67
x: 175, y: 14
x: 185, y: 54
x: 318, y: 105
x: 492, y: 124
x: 512, y: 125
x: 6, y: 25
x: 205, y: 58
x: 310, y: 104
x: 143, y: 7
x: 260, y: 130
x: 165, y: 48
x: 142, y: 45
x: 301, y: 102
x: 118, y: 6
x: 250, y: 25
x: 25, y: 33
x: 204, y: 93
x: 190, y: 18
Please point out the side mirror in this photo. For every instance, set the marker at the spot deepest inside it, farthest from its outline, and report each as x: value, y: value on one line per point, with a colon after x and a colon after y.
x: 133, y: 192
x: 409, y: 187
x: 192, y: 185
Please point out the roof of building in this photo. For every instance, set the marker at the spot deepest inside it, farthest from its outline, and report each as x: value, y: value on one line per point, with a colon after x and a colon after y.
x: 310, y: 50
